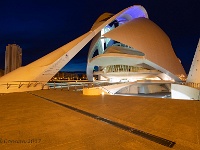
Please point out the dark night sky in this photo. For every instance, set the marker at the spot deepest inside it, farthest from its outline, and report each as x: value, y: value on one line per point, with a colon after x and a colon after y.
x: 41, y: 26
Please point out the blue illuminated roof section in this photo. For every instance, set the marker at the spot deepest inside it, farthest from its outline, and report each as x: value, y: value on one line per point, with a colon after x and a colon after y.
x: 132, y: 13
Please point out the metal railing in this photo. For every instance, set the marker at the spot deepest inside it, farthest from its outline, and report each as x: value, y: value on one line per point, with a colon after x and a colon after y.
x: 78, y: 85
x: 75, y: 85
x: 191, y: 84
x: 20, y: 84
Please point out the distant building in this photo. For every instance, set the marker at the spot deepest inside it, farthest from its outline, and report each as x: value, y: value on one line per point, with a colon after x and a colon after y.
x: 62, y: 75
x: 13, y: 57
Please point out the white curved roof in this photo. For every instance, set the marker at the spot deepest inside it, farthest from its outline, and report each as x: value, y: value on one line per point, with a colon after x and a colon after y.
x: 115, y: 59
x: 145, y: 36
x: 123, y: 50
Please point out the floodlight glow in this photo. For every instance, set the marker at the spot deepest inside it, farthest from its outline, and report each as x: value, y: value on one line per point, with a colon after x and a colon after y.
x: 132, y: 13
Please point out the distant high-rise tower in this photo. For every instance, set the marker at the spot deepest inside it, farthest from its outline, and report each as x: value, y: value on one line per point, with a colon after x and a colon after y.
x: 13, y: 57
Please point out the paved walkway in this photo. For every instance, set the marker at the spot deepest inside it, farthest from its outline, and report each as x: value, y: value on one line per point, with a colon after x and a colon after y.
x: 46, y: 125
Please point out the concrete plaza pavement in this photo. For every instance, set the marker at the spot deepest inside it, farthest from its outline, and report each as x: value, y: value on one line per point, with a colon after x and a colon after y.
x: 30, y: 122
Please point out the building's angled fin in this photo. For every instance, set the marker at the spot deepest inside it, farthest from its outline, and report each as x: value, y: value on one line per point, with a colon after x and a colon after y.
x: 194, y: 72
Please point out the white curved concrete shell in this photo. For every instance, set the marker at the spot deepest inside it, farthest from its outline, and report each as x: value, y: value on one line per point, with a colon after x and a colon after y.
x: 143, y: 35
x: 135, y: 41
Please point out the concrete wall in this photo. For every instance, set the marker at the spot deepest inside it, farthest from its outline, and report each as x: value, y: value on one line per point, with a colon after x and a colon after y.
x: 184, y: 92
x: 133, y: 89
x: 92, y: 91
x: 146, y: 89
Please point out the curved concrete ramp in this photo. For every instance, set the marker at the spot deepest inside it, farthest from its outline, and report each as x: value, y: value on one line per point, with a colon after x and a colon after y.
x: 114, y: 88
x: 109, y: 89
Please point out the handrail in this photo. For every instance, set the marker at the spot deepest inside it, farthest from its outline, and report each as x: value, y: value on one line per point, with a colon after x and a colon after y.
x: 191, y: 84
x: 19, y: 84
x: 53, y: 84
